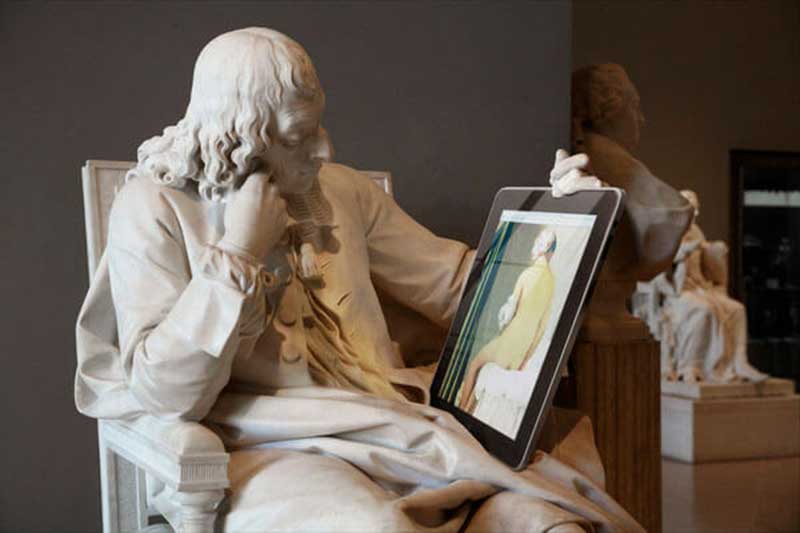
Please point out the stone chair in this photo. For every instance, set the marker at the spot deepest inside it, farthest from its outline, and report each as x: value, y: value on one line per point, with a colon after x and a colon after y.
x: 139, y: 457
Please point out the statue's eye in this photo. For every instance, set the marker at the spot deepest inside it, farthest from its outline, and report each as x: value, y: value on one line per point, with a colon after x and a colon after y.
x: 291, y: 142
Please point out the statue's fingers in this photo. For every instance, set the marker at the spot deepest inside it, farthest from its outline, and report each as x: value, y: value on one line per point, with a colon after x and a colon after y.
x: 577, y: 161
x: 257, y: 183
x: 573, y: 182
x: 574, y: 174
x: 586, y: 183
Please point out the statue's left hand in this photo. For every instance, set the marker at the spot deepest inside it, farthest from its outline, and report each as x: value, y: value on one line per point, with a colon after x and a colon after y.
x: 569, y: 174
x: 309, y: 268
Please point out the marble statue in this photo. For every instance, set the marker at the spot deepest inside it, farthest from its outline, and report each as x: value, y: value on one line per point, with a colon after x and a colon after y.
x: 607, y: 121
x: 243, y: 270
x: 703, y: 331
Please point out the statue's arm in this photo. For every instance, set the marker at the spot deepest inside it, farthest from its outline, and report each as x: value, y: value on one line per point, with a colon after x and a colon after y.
x: 410, y: 263
x: 178, y: 331
x: 656, y: 214
x: 715, y: 263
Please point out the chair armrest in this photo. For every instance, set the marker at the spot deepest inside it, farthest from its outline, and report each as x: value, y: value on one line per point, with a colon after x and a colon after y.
x: 184, y: 455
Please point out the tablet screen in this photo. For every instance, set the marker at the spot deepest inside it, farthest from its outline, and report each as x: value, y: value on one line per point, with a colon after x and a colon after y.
x: 514, y: 308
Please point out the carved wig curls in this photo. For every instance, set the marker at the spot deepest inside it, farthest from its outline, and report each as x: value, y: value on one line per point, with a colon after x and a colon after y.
x: 598, y: 93
x: 240, y: 79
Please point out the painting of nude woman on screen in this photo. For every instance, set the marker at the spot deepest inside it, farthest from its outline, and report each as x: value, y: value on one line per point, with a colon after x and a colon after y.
x: 515, y: 306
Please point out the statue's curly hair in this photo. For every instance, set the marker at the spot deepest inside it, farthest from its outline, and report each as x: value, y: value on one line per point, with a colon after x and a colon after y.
x: 598, y: 93
x: 240, y: 80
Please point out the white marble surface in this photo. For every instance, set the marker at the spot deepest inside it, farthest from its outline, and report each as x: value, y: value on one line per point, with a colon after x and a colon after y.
x: 706, y: 390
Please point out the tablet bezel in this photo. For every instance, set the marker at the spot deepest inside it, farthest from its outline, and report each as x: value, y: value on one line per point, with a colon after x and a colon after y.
x: 606, y: 204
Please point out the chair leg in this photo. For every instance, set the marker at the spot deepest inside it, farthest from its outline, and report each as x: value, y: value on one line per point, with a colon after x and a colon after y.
x: 122, y: 491
x: 198, y: 510
x: 108, y: 489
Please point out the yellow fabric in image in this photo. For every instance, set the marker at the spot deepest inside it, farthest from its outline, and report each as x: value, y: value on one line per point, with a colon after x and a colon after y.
x: 534, y: 292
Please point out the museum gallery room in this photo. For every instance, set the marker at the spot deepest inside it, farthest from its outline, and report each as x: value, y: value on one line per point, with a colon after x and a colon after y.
x: 368, y: 266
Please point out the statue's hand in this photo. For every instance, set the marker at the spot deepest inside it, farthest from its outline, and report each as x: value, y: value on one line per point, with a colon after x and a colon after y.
x: 309, y: 268
x: 569, y: 174
x: 255, y: 217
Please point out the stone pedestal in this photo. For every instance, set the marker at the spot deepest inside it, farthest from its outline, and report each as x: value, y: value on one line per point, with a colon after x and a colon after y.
x: 705, y: 422
x: 615, y: 380
x: 711, y: 391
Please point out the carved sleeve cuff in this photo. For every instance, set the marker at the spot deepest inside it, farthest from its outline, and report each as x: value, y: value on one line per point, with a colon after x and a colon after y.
x: 238, y: 270
x: 228, y: 297
x: 249, y: 282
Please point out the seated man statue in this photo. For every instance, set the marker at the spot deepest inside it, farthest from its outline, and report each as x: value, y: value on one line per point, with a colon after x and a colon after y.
x: 240, y: 287
x: 703, y: 331
x: 521, y: 320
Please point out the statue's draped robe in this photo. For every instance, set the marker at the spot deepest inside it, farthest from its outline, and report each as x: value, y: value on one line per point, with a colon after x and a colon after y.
x: 301, y: 380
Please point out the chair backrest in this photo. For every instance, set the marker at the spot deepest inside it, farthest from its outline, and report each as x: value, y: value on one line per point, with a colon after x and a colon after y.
x: 101, y: 181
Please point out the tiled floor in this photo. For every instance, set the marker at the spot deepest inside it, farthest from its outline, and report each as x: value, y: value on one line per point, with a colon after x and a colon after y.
x: 731, y: 497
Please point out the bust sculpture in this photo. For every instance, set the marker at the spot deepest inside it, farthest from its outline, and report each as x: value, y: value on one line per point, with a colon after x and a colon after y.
x: 243, y: 270
x: 702, y: 329
x: 607, y: 121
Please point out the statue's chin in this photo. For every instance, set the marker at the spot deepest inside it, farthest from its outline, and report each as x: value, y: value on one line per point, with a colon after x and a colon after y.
x: 299, y: 184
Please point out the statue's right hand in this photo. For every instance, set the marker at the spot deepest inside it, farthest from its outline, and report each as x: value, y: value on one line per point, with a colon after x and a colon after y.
x: 255, y: 217
x: 570, y: 174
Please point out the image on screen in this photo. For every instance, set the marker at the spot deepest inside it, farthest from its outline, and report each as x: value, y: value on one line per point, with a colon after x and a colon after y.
x: 513, y: 312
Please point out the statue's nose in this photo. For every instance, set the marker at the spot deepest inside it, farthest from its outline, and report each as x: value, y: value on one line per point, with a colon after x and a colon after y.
x: 323, y: 150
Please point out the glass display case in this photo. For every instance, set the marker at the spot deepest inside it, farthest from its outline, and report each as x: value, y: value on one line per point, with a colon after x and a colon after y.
x: 765, y: 255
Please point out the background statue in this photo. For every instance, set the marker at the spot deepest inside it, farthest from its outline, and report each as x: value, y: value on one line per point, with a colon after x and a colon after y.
x: 267, y: 325
x: 703, y: 331
x: 607, y: 120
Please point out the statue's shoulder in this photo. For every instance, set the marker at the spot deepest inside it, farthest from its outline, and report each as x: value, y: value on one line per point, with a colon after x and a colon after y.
x: 347, y: 183
x: 613, y: 162
x: 138, y: 192
x: 141, y: 192
x: 142, y: 201
x: 343, y: 177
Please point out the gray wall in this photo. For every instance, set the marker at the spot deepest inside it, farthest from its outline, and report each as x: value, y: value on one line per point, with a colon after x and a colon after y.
x: 455, y: 100
x: 712, y: 76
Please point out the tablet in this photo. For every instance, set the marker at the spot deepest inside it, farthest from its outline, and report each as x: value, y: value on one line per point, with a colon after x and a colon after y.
x: 520, y: 311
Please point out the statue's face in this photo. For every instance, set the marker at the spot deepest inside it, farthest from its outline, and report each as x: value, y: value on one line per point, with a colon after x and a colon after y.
x: 300, y: 145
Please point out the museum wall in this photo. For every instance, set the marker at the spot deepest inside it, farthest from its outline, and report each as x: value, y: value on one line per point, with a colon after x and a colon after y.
x: 712, y: 76
x: 455, y: 100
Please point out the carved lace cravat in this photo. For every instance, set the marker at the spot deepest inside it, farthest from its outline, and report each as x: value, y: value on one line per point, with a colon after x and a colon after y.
x: 313, y: 215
